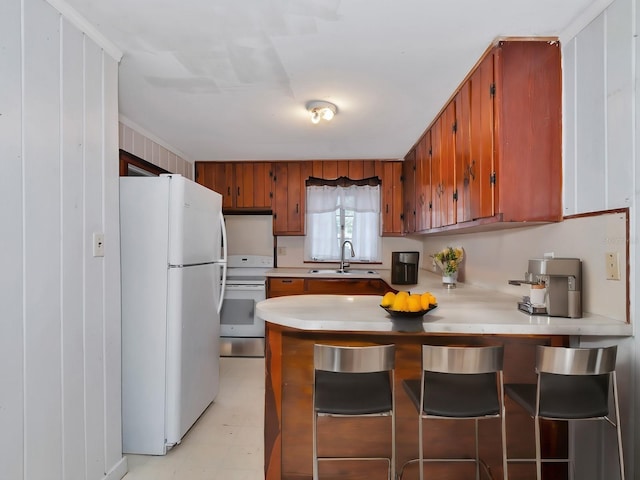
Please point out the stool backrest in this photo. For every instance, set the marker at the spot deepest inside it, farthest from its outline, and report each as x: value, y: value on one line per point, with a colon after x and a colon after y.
x: 347, y: 359
x: 576, y: 361
x: 573, y: 383
x: 462, y: 360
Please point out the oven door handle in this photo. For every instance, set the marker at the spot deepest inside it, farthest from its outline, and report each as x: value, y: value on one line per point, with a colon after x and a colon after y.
x: 236, y: 288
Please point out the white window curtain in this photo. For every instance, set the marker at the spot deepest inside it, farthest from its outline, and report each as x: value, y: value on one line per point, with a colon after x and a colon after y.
x: 324, y: 237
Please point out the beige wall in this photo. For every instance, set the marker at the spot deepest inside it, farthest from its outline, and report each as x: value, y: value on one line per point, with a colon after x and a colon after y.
x: 494, y: 258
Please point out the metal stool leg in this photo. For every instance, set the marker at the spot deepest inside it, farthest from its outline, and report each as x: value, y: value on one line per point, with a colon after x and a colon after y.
x: 420, y: 453
x: 618, y: 429
x: 536, y: 422
x: 315, y: 446
x: 505, y: 472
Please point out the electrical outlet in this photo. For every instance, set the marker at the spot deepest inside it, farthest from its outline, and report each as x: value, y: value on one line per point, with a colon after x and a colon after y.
x: 98, y: 244
x: 282, y: 250
x: 612, y: 266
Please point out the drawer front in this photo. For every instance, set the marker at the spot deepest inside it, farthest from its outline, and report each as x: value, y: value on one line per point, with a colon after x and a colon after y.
x: 279, y: 287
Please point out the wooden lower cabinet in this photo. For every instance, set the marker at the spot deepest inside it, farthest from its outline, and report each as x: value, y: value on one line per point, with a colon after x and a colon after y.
x: 282, y: 286
x: 288, y: 414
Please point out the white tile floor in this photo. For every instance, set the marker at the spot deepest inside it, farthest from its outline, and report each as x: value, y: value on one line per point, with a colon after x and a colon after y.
x: 227, y: 442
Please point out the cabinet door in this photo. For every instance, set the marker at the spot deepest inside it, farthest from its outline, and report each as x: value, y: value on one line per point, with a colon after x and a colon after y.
x: 463, y: 162
x: 244, y: 184
x: 528, y: 131
x: 409, y: 191
x: 289, y: 197
x: 281, y: 199
x: 390, y: 173
x: 253, y: 184
x: 219, y: 177
x: 481, y: 169
x: 423, y: 183
x: 443, y: 166
x: 447, y: 170
x: 263, y: 193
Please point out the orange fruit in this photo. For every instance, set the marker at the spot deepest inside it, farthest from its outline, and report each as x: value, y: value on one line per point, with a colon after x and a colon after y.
x: 388, y: 299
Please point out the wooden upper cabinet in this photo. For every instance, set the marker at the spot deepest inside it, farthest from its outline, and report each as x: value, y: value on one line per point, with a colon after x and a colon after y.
x: 409, y: 191
x: 528, y: 131
x: 254, y: 184
x: 390, y: 175
x: 502, y: 161
x: 219, y: 177
x: 290, y: 197
x: 463, y: 162
x: 443, y: 168
x: 481, y: 169
x: 243, y: 185
x: 423, y: 205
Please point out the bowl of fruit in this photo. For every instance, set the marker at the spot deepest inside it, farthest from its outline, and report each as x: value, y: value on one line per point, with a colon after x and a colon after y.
x: 408, y: 305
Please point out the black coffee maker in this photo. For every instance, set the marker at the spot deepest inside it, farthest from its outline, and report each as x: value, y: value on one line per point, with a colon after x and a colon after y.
x: 404, y: 268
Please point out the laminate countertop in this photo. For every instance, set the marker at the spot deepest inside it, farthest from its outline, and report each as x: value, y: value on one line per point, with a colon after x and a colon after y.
x: 463, y: 310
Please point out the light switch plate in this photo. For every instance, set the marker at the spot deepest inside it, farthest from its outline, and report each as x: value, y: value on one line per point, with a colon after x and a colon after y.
x: 612, y: 266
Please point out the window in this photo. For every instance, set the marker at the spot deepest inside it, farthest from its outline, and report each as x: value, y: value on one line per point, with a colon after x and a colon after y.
x: 133, y: 166
x: 340, y: 210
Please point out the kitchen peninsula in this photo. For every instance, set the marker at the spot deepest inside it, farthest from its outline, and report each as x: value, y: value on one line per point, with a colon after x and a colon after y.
x: 465, y: 315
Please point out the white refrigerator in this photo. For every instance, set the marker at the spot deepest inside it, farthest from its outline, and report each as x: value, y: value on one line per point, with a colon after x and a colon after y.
x: 173, y: 263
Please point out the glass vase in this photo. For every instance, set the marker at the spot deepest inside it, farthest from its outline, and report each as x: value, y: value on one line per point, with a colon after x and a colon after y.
x: 449, y: 281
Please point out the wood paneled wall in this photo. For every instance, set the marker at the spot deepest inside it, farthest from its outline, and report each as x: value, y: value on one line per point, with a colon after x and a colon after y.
x: 60, y: 329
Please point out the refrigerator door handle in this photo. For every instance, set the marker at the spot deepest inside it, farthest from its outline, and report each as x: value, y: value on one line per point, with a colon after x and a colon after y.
x: 223, y: 286
x: 224, y: 239
x: 223, y: 261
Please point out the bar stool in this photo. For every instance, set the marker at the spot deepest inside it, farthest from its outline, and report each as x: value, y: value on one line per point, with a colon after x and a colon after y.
x: 351, y: 382
x: 459, y: 383
x: 573, y: 384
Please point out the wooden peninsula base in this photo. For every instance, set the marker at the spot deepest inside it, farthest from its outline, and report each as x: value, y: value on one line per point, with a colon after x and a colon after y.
x: 288, y: 414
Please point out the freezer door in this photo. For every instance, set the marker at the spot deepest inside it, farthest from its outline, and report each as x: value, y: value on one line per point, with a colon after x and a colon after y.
x: 195, y: 235
x: 193, y: 346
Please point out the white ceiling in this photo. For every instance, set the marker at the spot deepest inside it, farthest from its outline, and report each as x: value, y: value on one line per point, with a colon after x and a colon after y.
x: 229, y: 79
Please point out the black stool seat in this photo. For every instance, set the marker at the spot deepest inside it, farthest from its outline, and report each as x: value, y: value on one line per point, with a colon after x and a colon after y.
x: 456, y: 395
x: 564, y: 396
x: 352, y: 393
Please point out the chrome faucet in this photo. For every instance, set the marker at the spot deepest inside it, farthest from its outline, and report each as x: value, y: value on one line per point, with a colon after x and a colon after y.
x: 344, y: 263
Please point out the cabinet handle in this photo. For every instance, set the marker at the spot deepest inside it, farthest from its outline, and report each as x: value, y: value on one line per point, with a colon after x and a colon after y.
x: 229, y: 191
x: 297, y: 208
x: 287, y: 281
x: 387, y: 208
x: 471, y: 174
x: 238, y: 191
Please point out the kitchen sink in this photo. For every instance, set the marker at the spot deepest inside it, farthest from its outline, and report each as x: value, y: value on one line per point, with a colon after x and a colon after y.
x: 337, y: 271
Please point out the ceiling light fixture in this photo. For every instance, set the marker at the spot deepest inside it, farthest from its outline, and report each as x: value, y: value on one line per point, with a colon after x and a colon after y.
x: 321, y: 110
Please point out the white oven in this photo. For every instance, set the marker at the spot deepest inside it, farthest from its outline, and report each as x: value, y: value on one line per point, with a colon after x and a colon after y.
x: 241, y: 331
